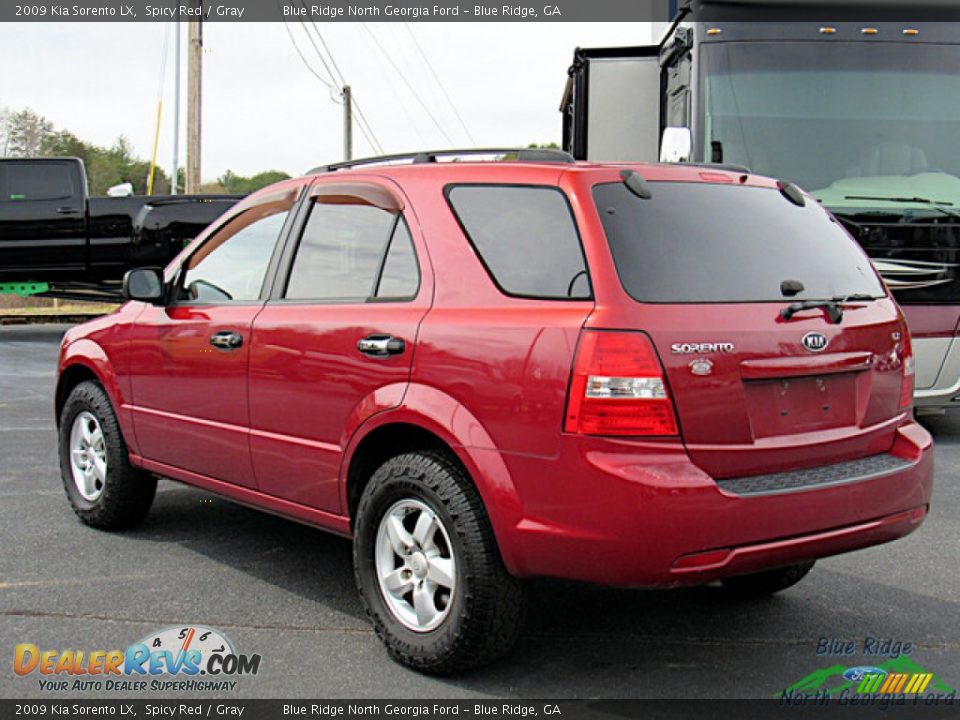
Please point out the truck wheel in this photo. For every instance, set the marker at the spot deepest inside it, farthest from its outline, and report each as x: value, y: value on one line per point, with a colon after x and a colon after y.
x: 765, y: 583
x: 428, y: 568
x: 105, y: 490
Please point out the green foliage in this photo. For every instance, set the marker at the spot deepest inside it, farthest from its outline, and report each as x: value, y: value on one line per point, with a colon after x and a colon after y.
x: 106, y: 167
x: 233, y: 183
x: 28, y: 134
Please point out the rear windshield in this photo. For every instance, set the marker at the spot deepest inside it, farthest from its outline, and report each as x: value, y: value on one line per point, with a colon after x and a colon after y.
x: 705, y: 243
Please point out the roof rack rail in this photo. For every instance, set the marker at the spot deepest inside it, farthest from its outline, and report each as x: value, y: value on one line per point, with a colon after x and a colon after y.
x: 545, y: 155
x: 730, y: 167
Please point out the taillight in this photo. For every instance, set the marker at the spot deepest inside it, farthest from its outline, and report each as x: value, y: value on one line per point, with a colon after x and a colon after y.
x: 909, y: 372
x: 618, y: 387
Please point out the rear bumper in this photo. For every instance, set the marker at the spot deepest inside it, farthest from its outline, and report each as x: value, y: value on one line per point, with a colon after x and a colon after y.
x: 638, y: 513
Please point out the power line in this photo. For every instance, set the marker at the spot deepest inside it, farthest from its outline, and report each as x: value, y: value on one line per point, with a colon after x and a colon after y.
x: 303, y: 58
x: 362, y: 121
x: 439, y: 82
x: 367, y: 131
x: 319, y: 54
x: 407, y: 83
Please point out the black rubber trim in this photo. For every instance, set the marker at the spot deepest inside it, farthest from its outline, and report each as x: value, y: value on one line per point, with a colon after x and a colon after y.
x: 817, y: 477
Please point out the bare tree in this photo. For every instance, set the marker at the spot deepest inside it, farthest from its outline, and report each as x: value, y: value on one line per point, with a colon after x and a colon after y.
x: 25, y: 132
x: 4, y: 134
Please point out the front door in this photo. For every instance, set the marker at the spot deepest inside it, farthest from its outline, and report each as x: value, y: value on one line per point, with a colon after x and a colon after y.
x: 189, y: 360
x: 335, y: 343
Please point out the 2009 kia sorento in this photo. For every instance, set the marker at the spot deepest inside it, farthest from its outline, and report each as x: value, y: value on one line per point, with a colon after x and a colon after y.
x: 481, y: 372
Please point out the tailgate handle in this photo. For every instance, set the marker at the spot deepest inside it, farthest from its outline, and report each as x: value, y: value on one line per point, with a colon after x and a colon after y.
x: 770, y: 368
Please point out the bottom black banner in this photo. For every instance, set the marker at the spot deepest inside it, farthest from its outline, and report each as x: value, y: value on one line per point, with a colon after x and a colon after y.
x: 566, y: 709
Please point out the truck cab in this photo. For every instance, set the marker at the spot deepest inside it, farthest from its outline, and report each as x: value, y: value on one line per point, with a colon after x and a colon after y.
x: 55, y: 236
x: 43, y: 217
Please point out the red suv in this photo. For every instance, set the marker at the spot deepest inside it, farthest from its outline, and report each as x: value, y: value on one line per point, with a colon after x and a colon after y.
x: 485, y: 371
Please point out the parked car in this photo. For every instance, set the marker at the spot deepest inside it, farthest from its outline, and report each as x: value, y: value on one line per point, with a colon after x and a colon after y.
x: 634, y: 375
x: 51, y: 231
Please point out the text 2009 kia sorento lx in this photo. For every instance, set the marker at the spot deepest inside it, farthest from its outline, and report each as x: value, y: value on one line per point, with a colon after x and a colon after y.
x: 486, y: 371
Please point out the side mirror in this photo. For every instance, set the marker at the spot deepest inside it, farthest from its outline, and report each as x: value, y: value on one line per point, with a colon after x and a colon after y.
x: 145, y: 285
x: 676, y: 144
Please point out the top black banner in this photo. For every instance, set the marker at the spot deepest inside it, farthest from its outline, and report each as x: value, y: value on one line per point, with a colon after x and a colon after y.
x: 337, y: 10
x: 473, y: 11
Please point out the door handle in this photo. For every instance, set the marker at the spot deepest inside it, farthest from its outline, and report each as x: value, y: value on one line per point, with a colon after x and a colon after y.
x: 67, y: 210
x: 381, y: 345
x: 226, y: 340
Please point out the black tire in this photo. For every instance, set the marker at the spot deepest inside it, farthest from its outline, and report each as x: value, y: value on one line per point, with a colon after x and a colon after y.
x: 768, y: 582
x: 485, y: 612
x: 127, y: 492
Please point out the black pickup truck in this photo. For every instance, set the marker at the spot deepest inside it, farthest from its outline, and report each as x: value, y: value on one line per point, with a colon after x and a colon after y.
x: 51, y: 231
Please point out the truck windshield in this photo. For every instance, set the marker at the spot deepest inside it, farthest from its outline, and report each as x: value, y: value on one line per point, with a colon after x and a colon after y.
x: 705, y: 243
x: 851, y: 122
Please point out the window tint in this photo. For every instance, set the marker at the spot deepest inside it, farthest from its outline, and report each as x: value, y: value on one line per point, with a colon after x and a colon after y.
x: 526, y: 237
x: 38, y: 181
x: 699, y: 242
x: 400, y: 277
x: 232, y: 265
x: 340, y: 252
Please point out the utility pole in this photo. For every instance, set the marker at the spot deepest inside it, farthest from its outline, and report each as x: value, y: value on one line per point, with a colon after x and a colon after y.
x: 194, y: 73
x: 174, y: 174
x: 347, y: 124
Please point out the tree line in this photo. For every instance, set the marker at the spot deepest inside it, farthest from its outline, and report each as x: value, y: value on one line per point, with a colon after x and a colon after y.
x: 25, y: 133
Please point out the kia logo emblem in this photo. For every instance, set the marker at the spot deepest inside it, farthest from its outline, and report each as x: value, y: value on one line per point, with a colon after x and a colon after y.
x: 814, y: 342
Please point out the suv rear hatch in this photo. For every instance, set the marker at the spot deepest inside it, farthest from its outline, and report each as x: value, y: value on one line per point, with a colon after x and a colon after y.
x: 713, y: 267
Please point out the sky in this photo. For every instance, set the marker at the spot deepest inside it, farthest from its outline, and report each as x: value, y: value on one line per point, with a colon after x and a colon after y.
x: 264, y: 110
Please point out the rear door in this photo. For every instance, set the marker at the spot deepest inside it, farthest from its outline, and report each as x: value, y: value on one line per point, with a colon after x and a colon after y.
x: 42, y: 217
x: 713, y: 266
x: 336, y: 341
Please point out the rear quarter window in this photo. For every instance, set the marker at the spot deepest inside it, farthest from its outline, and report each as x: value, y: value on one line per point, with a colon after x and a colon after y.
x: 526, y: 238
x: 711, y: 243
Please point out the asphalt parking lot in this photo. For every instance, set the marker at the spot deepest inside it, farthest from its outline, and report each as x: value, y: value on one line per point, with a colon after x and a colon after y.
x: 286, y: 591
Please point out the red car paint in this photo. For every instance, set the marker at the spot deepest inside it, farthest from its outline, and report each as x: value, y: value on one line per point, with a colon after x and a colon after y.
x: 279, y: 423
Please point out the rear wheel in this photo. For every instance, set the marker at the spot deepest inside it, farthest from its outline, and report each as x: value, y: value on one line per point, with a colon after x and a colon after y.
x: 767, y: 582
x: 104, y: 489
x: 428, y: 569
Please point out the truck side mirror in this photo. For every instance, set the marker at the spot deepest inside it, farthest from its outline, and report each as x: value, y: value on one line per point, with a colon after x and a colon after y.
x: 145, y: 285
x: 676, y: 144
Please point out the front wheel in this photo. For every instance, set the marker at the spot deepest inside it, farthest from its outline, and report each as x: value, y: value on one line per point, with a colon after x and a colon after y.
x: 428, y: 568
x: 104, y: 489
x: 767, y: 582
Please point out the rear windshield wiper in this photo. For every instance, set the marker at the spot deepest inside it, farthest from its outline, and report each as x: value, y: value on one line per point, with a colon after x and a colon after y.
x: 941, y: 205
x: 833, y: 306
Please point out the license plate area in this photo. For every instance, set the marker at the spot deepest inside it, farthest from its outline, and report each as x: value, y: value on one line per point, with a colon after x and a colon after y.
x: 787, y: 406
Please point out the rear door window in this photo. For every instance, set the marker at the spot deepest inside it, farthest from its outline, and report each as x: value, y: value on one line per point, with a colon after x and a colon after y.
x: 353, y: 252
x: 526, y: 237
x: 711, y: 243
x: 24, y: 181
x: 400, y: 277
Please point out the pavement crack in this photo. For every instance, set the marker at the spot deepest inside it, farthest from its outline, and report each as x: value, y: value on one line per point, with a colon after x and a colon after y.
x: 25, y: 613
